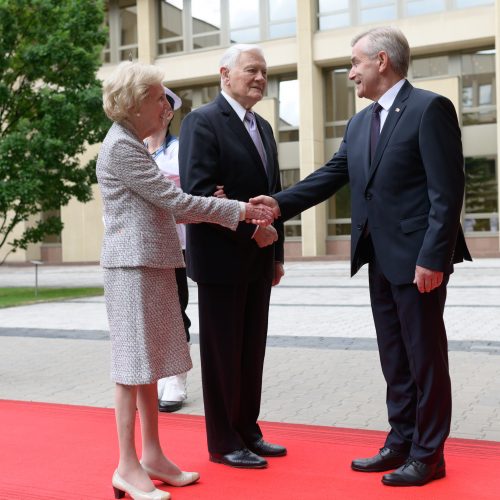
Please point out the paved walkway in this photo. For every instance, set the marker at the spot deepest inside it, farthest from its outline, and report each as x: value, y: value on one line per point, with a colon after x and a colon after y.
x: 321, y: 367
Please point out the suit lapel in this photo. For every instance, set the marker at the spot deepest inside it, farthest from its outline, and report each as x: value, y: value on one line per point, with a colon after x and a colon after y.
x: 266, y: 141
x: 395, y: 113
x: 236, y: 127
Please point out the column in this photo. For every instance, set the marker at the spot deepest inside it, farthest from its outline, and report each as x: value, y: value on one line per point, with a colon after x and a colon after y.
x: 311, y: 143
x: 146, y: 30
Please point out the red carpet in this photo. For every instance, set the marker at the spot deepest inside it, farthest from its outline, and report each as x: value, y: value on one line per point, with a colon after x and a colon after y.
x: 52, y: 452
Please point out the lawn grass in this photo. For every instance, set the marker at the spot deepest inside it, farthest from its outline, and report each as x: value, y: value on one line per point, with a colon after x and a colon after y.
x: 18, y: 296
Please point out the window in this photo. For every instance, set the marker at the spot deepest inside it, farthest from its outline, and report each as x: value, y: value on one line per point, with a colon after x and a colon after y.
x: 339, y: 108
x: 293, y: 226
x: 121, y: 19
x: 481, y: 195
x: 128, y: 31
x: 420, y: 7
x: 485, y: 94
x: 188, y: 25
x: 289, y: 109
x: 334, y: 14
x: 477, y: 74
x: 374, y: 11
x: 339, y: 101
x: 244, y: 22
x: 170, y: 28
x: 339, y: 213
x: 192, y: 98
x: 425, y: 67
x: 461, y: 4
x: 478, y: 87
x: 282, y: 15
x: 206, y: 23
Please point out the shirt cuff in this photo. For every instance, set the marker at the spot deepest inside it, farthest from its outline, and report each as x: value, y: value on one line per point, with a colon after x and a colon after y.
x: 243, y: 210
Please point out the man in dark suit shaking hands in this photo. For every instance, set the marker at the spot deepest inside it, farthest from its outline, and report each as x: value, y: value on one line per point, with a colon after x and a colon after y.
x: 226, y: 144
x: 402, y: 157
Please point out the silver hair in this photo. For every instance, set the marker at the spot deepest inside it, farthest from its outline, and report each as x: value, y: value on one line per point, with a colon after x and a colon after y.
x: 126, y: 88
x: 390, y: 40
x: 230, y: 58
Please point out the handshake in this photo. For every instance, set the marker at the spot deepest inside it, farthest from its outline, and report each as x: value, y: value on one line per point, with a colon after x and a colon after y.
x: 262, y: 210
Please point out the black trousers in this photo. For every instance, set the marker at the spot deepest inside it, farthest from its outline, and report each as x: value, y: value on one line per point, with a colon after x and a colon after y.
x: 183, y: 291
x: 413, y: 351
x: 233, y: 332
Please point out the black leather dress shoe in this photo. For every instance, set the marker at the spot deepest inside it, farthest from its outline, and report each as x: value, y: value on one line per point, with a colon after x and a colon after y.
x: 415, y: 473
x: 385, y: 459
x: 242, y: 459
x: 169, y: 406
x: 265, y: 449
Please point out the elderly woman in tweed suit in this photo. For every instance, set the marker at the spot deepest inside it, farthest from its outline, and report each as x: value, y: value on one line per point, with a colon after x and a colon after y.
x: 139, y: 255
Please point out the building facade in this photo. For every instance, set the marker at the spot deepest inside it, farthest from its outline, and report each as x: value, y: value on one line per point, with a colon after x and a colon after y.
x: 309, y: 98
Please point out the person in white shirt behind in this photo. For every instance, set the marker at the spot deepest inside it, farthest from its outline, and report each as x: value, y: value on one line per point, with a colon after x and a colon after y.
x: 164, y: 148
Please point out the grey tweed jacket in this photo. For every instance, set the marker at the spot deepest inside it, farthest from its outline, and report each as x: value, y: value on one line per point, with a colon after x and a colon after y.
x: 141, y: 206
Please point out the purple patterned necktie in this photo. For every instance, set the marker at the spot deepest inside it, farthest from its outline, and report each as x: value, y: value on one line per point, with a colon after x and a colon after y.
x: 251, y: 126
x: 375, y: 129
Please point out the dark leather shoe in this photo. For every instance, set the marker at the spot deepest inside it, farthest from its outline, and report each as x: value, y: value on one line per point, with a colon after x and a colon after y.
x: 265, y: 449
x: 169, y: 406
x: 242, y: 459
x: 385, y: 459
x: 415, y: 473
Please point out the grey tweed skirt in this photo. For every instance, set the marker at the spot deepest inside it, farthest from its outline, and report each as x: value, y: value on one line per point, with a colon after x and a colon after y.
x: 148, y: 340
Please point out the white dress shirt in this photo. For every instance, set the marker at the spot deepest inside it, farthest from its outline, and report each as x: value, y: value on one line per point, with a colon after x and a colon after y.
x: 387, y: 100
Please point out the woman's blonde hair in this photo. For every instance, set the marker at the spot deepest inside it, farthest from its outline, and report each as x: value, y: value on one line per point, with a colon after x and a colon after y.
x: 125, y: 89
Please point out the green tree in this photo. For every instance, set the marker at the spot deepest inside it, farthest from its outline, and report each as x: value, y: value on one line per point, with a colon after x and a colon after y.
x: 50, y: 109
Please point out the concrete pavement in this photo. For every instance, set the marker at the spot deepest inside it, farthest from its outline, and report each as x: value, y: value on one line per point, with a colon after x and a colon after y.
x: 321, y: 367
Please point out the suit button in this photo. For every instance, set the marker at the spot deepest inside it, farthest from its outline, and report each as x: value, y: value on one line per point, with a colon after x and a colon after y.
x: 368, y: 196
x: 359, y: 226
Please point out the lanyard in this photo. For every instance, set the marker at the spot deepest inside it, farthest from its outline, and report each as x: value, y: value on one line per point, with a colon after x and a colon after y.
x: 164, y: 146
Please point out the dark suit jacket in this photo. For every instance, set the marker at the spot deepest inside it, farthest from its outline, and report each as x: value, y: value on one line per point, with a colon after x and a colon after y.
x: 216, y: 149
x: 410, y: 196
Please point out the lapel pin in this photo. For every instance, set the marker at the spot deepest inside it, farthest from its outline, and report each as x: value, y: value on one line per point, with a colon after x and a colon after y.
x: 397, y: 110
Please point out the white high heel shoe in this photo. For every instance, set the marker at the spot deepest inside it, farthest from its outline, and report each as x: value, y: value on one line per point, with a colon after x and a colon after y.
x: 120, y: 487
x: 181, y: 479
